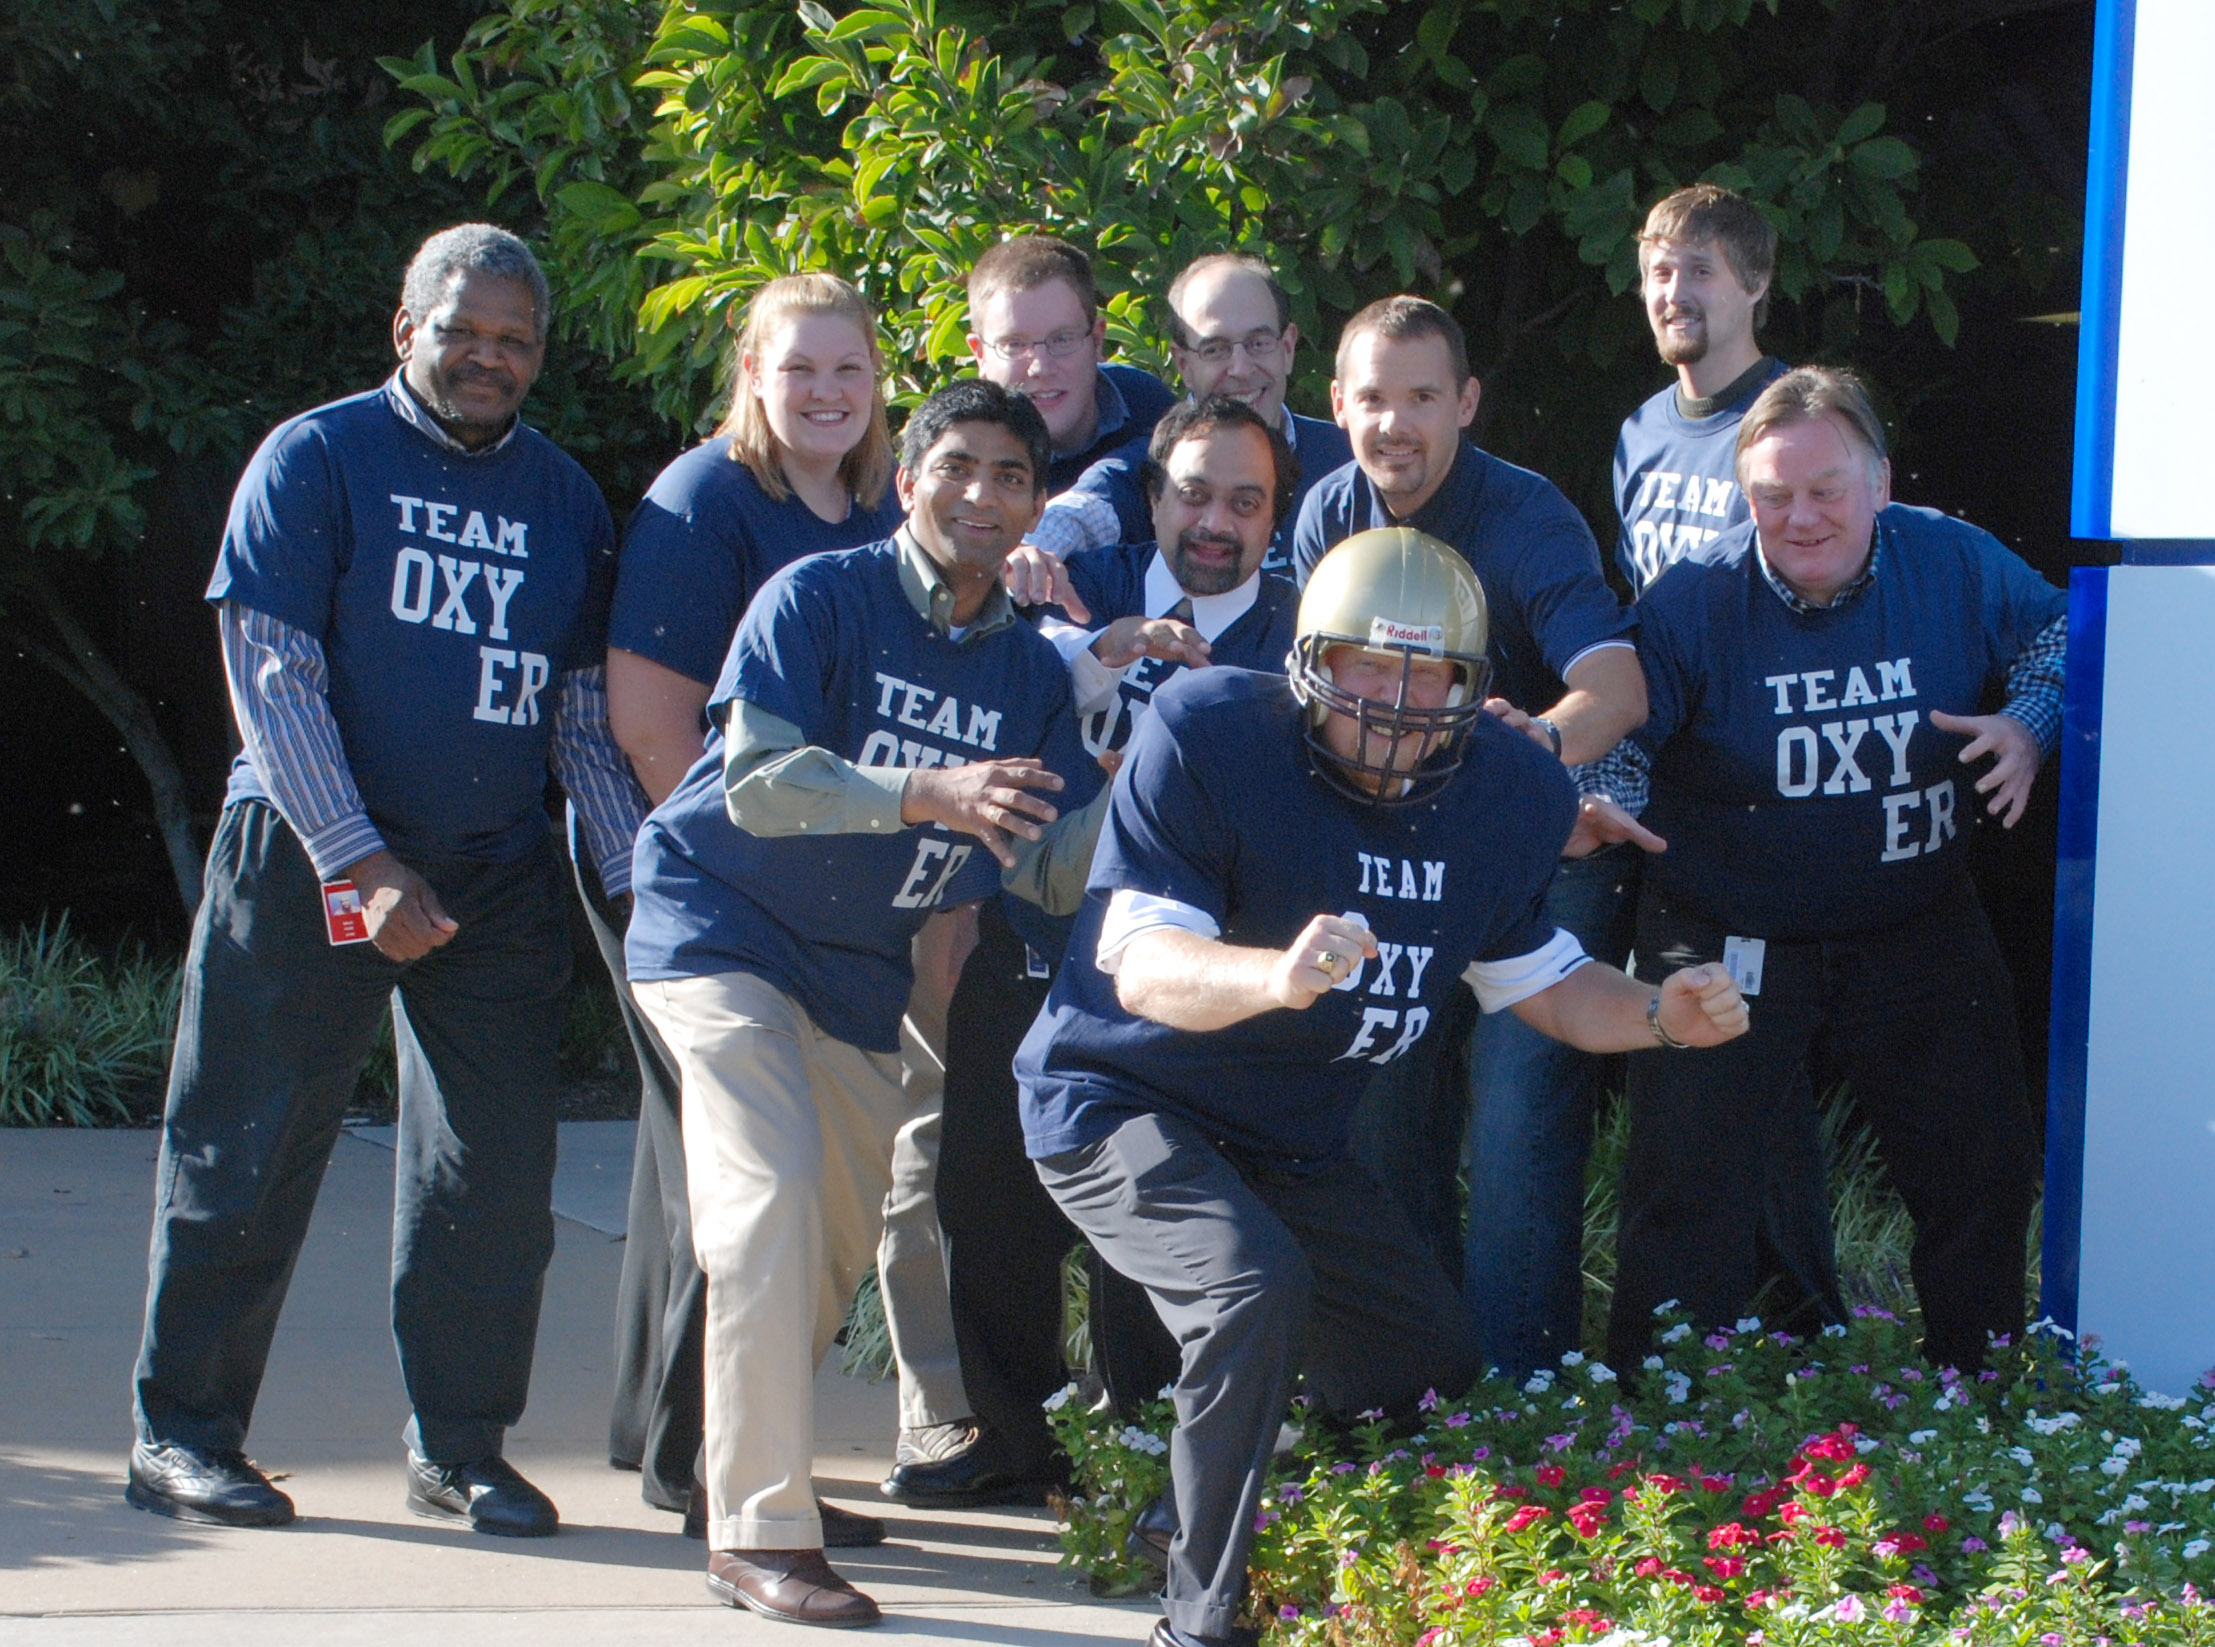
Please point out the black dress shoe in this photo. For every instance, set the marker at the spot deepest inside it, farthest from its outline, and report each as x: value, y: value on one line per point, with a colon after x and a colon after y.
x: 487, y: 1493
x: 215, y: 1484
x: 1152, y: 1533
x: 842, y: 1529
x: 793, y: 1586
x: 979, y: 1472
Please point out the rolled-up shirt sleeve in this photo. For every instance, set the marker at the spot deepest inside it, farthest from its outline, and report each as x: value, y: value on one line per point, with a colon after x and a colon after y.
x: 777, y: 783
x: 590, y: 765
x: 280, y: 694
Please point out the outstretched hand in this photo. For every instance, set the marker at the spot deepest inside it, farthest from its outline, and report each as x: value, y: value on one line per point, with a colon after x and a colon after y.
x: 1126, y: 640
x: 1600, y: 822
x: 2015, y: 767
x: 988, y: 799
x: 1038, y: 577
x: 1702, y: 1007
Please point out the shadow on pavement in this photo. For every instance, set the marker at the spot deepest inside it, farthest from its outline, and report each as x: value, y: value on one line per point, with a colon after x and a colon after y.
x: 52, y: 1514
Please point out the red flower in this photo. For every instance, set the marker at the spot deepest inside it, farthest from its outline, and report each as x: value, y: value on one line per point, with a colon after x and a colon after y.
x: 1648, y: 1567
x: 1477, y: 1586
x: 1547, y: 1638
x: 1791, y: 1513
x: 1730, y: 1535
x: 1434, y: 1471
x: 1706, y: 1592
x: 1552, y: 1575
x: 1585, y: 1618
x: 1550, y: 1475
x: 1525, y: 1516
x: 1903, y: 1592
x: 1723, y: 1566
x: 1586, y: 1520
x: 1836, y: 1448
x: 1830, y: 1538
x: 1761, y: 1503
x: 1676, y: 1575
x: 1716, y: 1483
x: 1909, y: 1543
x: 1820, y: 1485
x: 1595, y: 1495
x: 1510, y: 1492
x: 1935, y: 1523
x: 1855, y: 1476
x: 1665, y: 1484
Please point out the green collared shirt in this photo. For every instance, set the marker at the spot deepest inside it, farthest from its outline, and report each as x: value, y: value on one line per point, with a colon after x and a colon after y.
x: 777, y: 783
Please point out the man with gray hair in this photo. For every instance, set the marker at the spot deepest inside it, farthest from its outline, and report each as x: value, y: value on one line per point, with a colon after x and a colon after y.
x: 412, y: 591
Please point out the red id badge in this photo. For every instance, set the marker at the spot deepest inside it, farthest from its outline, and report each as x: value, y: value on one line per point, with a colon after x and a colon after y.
x: 343, y: 914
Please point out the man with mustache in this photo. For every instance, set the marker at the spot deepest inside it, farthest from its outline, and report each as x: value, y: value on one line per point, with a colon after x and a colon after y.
x: 1563, y: 672
x: 1220, y: 479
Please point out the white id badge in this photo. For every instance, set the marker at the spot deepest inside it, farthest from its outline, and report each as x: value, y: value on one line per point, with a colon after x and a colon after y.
x: 1353, y: 979
x: 1742, y: 960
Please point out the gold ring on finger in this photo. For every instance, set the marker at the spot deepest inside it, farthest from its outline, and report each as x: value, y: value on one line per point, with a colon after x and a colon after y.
x: 1327, y: 960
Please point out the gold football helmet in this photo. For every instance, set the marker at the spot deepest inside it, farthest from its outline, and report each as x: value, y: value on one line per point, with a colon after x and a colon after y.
x: 1391, y: 589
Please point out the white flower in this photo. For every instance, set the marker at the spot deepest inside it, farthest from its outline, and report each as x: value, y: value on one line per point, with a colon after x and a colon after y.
x: 1600, y: 1373
x: 1678, y: 1387
x: 2110, y: 1518
x: 2128, y: 1447
x: 2159, y: 1403
x: 1168, y: 1392
x: 1984, y: 1425
x: 1748, y: 1323
x: 1979, y: 1500
x: 2049, y: 1324
x: 1572, y: 1358
x: 1060, y: 1398
x: 1834, y: 1330
x: 1677, y: 1334
x: 1923, y: 1438
x: 2205, y: 1485
x: 1866, y: 1444
x: 2136, y: 1501
x: 1665, y: 1306
x: 2054, y: 1425
x: 1539, y: 1382
x: 2197, y: 1548
x: 2114, y: 1466
x: 2022, y: 1456
x: 1652, y: 1363
x: 2031, y: 1495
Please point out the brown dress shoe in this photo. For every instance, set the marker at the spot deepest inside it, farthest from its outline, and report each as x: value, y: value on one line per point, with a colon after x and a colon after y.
x: 796, y: 1586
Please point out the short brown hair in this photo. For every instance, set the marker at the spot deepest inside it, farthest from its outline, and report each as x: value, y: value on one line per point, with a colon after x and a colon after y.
x: 1025, y: 262
x: 1404, y: 316
x: 1197, y: 419
x: 1706, y: 212
x: 1244, y: 263
x: 867, y: 469
x: 1803, y: 396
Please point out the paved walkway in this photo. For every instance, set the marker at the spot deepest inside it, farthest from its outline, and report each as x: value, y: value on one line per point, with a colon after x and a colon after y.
x: 77, y: 1565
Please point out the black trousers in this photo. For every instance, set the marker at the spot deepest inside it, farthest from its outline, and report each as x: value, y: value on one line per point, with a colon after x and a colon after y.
x: 272, y: 1032
x: 1005, y: 1239
x: 1261, y: 1277
x: 1919, y: 1019
x: 655, y: 1424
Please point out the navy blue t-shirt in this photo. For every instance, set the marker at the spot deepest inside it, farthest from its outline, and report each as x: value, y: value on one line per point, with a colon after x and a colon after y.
x: 833, y: 645
x: 1530, y: 548
x: 1218, y: 807
x: 1676, y: 480
x: 450, y: 594
x: 1320, y: 446
x: 702, y: 542
x: 1797, y: 778
x: 1145, y: 398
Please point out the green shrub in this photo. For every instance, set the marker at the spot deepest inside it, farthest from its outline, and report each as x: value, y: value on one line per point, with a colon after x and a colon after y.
x: 1750, y: 1488
x: 80, y: 1037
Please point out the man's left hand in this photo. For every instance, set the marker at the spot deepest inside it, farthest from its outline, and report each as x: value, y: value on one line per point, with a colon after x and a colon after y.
x: 1601, y: 822
x: 1126, y: 640
x: 2015, y: 767
x: 1701, y: 1007
x: 1506, y: 713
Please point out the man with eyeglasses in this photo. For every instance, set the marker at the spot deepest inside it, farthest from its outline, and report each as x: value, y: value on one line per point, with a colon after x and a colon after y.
x: 1231, y: 333
x: 1037, y: 331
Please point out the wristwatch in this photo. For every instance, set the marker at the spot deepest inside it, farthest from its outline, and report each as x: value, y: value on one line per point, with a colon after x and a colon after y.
x: 1661, y: 1036
x: 1552, y: 731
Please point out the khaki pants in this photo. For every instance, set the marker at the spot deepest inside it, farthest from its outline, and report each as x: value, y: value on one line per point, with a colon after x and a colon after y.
x: 788, y: 1145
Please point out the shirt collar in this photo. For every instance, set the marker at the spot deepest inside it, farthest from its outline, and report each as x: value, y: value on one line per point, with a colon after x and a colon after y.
x: 401, y: 398
x: 932, y: 597
x: 1291, y: 427
x: 1798, y: 603
x: 1114, y: 411
x: 1211, y: 614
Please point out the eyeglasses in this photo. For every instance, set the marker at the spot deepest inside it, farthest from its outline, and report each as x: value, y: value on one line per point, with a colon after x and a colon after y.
x: 1261, y: 348
x: 1055, y: 344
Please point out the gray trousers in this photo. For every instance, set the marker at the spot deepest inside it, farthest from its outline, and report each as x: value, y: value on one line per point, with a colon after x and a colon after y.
x: 1261, y: 1276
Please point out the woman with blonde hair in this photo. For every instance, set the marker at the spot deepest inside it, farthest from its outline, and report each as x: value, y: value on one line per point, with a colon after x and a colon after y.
x: 803, y: 463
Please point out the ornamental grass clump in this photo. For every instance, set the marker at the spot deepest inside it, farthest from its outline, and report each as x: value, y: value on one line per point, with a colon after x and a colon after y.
x: 1749, y: 1488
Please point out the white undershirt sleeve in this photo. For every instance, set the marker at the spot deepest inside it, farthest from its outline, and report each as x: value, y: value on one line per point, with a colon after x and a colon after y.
x: 1500, y: 984
x: 1131, y: 913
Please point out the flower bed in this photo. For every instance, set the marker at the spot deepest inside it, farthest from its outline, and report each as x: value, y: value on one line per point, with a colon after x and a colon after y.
x: 1753, y: 1488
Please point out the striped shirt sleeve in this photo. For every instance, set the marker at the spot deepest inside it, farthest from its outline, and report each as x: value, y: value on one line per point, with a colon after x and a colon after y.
x: 610, y: 804
x: 279, y: 684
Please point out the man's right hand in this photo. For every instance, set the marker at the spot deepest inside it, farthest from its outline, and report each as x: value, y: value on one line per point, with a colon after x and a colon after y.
x: 1037, y: 577
x: 406, y: 920
x: 988, y: 799
x: 1322, y: 957
x: 1126, y: 640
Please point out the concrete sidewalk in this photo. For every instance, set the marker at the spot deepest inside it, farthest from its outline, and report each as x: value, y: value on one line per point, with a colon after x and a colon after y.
x: 77, y: 1565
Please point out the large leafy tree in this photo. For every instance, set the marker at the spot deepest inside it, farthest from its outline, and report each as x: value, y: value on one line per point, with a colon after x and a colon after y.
x: 1494, y: 154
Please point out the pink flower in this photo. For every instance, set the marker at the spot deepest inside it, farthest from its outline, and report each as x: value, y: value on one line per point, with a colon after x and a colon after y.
x: 1723, y: 1566
x: 1706, y: 1592
x: 1847, y: 1609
